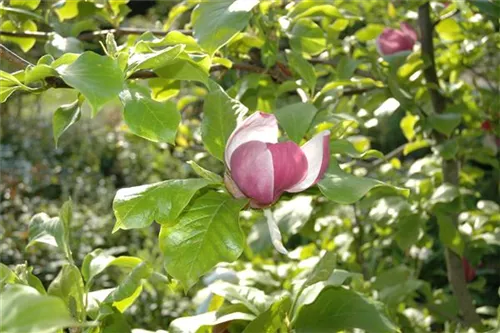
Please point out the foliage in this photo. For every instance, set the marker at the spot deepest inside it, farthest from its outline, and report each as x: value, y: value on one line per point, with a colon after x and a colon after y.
x: 411, y: 193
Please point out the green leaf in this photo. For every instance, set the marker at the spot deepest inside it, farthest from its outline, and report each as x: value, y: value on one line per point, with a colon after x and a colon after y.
x: 344, y: 188
x: 322, y: 271
x: 24, y: 310
x: 445, y: 193
x: 68, y: 10
x: 371, y: 31
x: 303, y: 68
x: 215, y: 23
x: 271, y: 320
x: 98, y: 78
x: 193, y: 324
x: 24, y: 43
x: 154, y: 59
x: 449, y: 234
x: 306, y: 36
x: 187, y: 67
x: 449, y: 30
x: 206, y: 174
x: 147, y: 118
x: 253, y: 299
x: 207, y: 233
x: 445, y: 123
x: 30, y: 4
x: 7, y: 276
x: 38, y: 72
x: 68, y: 286
x: 296, y: 119
x: 408, y: 230
x: 338, y: 309
x: 65, y: 116
x: 315, y: 10
x: 407, y: 125
x: 220, y: 115
x: 98, y: 260
x: 346, y: 147
x: 163, y: 89
x: 44, y: 229
x: 5, y: 92
x: 130, y: 288
x: 137, y: 207
x: 416, y: 145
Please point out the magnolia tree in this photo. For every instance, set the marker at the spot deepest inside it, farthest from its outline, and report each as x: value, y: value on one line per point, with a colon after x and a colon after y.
x: 293, y: 223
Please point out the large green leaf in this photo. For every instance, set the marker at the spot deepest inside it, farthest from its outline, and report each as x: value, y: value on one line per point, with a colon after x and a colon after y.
x: 208, y: 232
x: 137, y: 207
x: 296, y: 119
x: 307, y: 36
x: 216, y: 22
x: 253, y: 299
x: 24, y: 43
x: 220, y: 115
x: 196, y: 323
x: 68, y: 286
x: 186, y: 67
x: 344, y: 188
x: 147, y: 118
x: 154, y: 59
x: 44, y: 229
x: 98, y: 78
x: 303, y: 68
x: 24, y: 310
x: 65, y: 116
x: 272, y: 319
x: 445, y: 122
x: 130, y: 288
x: 408, y: 230
x: 338, y: 309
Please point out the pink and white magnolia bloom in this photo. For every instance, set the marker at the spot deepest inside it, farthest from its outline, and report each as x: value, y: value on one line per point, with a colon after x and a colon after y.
x: 260, y: 168
x: 393, y: 41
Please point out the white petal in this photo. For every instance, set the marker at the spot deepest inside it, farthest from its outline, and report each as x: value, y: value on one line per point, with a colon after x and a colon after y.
x: 316, y: 154
x: 274, y: 231
x: 259, y: 127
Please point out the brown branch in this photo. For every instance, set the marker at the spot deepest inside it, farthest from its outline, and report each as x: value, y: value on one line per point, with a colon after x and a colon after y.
x: 450, y: 169
x: 86, y: 36
x: 8, y: 55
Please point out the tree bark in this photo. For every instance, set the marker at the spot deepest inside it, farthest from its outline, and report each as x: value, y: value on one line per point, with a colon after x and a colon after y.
x: 450, y: 169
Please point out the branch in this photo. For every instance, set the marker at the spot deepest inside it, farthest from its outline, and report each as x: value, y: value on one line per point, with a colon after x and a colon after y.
x: 8, y: 55
x: 450, y: 169
x: 86, y: 36
x: 446, y: 16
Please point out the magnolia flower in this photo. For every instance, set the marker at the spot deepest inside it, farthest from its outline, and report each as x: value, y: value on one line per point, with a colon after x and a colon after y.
x: 393, y: 41
x: 260, y: 168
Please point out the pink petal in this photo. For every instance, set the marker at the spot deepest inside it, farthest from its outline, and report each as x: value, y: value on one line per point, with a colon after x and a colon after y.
x: 409, y: 31
x: 290, y: 165
x: 252, y: 170
x: 259, y: 126
x: 317, y: 152
x: 392, y: 41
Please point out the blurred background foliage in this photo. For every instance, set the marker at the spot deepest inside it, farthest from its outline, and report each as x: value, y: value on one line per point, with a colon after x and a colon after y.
x: 390, y: 245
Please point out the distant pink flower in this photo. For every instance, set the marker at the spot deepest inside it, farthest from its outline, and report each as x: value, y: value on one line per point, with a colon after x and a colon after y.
x: 260, y: 168
x: 393, y: 41
x: 469, y: 271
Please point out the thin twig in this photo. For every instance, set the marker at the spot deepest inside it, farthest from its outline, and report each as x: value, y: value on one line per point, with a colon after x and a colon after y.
x: 8, y: 55
x: 446, y: 16
x: 86, y: 36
